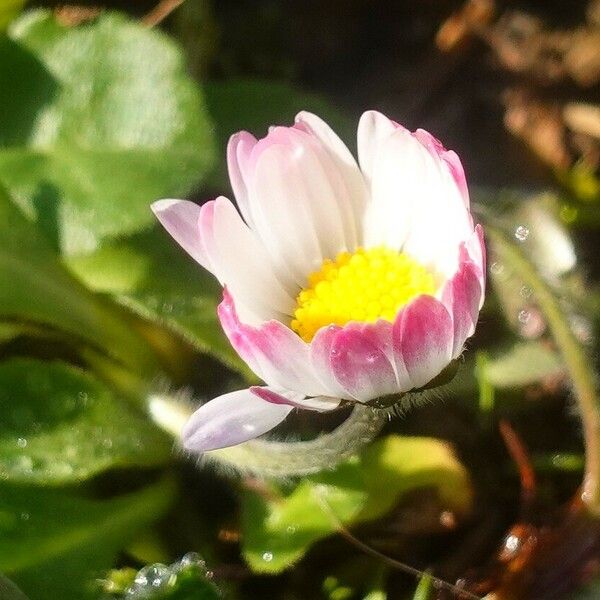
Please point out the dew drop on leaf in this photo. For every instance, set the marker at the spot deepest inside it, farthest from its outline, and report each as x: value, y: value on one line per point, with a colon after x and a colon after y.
x: 521, y: 233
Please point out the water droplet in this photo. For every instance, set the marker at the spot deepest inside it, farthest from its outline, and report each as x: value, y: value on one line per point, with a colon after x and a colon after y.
x: 291, y: 529
x: 107, y: 443
x: 512, y: 543
x: 25, y: 516
x: 521, y: 233
x: 525, y: 292
x: 22, y: 443
x: 167, y: 307
x: 191, y: 559
x: 153, y: 576
x: 267, y: 556
x: 524, y: 316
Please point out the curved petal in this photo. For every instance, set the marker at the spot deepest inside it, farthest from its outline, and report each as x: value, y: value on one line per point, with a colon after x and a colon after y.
x: 449, y: 157
x: 355, y: 186
x: 232, y: 419
x: 181, y: 219
x: 273, y: 351
x: 423, y: 338
x: 239, y: 150
x: 416, y: 205
x: 299, y: 202
x: 361, y: 366
x: 463, y: 296
x: 243, y: 265
x: 317, y: 403
x: 373, y: 130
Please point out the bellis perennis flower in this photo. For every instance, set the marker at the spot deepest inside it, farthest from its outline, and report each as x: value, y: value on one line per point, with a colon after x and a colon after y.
x: 342, y: 281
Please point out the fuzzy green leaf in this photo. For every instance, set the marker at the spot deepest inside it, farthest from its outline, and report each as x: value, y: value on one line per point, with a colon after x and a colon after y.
x: 60, y: 425
x: 101, y: 121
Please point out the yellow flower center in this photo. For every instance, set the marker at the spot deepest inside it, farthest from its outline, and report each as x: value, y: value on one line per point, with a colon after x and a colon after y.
x: 362, y: 286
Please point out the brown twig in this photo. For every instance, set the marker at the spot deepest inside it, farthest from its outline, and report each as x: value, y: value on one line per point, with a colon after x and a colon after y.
x: 161, y: 11
x: 520, y: 456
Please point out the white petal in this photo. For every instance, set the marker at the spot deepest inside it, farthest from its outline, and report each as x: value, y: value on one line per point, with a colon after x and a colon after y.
x: 245, y: 267
x: 299, y: 203
x: 373, y: 130
x: 231, y: 419
x: 180, y: 218
x: 417, y: 205
x: 354, y: 182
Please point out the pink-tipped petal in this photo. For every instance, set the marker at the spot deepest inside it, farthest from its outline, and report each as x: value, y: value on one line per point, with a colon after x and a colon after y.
x: 232, y: 419
x: 273, y: 351
x: 463, y: 297
x: 321, y: 360
x: 360, y: 366
x: 449, y: 157
x: 317, y: 403
x: 423, y: 337
x: 181, y: 219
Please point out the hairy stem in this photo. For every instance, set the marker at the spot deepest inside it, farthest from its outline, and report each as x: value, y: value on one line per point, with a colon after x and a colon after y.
x: 576, y: 360
x: 292, y: 459
x: 279, y: 459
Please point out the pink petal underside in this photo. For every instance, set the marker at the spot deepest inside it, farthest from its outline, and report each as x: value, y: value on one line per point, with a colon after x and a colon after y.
x: 232, y: 419
x: 361, y: 366
x: 316, y: 403
x: 463, y: 296
x: 423, y: 336
x: 273, y: 351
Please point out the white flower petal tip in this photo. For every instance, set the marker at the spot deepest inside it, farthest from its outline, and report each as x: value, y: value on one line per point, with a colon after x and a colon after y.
x: 307, y: 209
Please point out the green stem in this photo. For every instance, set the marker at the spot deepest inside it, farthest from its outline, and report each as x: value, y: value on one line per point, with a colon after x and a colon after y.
x: 578, y: 364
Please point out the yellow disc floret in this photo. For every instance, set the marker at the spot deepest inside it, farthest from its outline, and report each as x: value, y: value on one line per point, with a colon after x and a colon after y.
x: 365, y: 285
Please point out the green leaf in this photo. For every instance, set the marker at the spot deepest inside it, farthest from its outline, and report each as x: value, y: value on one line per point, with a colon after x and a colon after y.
x: 396, y: 465
x: 424, y: 588
x: 523, y: 364
x: 103, y: 120
x: 41, y: 291
x: 279, y: 528
x: 156, y: 279
x: 55, y: 544
x: 9, y: 591
x: 254, y: 104
x: 61, y: 425
x: 9, y: 9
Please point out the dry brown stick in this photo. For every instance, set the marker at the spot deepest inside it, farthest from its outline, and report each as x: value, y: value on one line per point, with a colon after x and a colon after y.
x: 519, y: 454
x: 161, y: 11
